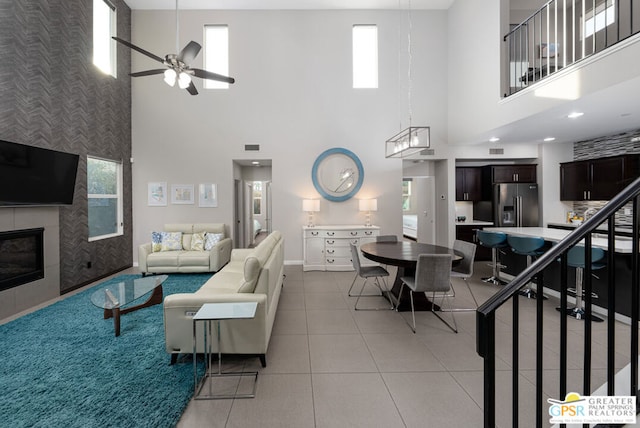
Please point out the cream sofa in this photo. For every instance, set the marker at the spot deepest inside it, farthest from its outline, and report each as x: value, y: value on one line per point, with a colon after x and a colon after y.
x: 252, y: 275
x: 185, y: 260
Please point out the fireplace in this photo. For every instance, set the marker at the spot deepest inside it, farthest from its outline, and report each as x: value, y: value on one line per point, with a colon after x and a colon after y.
x: 21, y: 257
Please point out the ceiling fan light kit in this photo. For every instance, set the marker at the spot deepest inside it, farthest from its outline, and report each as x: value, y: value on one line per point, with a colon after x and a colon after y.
x: 177, y: 65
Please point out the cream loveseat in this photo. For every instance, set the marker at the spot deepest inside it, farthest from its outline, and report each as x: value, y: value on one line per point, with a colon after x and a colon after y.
x: 189, y: 253
x: 252, y: 275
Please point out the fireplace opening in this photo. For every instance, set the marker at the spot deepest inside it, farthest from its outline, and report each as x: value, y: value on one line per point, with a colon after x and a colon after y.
x: 21, y: 257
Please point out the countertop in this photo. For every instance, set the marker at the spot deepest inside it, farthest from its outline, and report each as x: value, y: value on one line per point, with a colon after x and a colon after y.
x: 474, y: 223
x: 624, y: 230
x: 623, y: 245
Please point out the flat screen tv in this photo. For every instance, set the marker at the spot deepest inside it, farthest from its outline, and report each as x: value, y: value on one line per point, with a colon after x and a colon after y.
x: 35, y: 176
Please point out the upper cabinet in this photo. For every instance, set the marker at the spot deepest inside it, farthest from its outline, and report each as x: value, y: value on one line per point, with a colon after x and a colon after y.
x: 512, y: 173
x: 468, y: 184
x: 597, y: 179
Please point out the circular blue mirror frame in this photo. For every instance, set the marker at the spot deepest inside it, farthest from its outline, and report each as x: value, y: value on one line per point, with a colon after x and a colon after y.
x: 331, y: 152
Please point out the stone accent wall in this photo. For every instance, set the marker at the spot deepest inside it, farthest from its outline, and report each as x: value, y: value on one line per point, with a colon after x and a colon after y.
x: 612, y: 145
x: 54, y: 97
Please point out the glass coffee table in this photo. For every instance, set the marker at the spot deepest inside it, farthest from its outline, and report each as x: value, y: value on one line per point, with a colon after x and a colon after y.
x: 112, y: 297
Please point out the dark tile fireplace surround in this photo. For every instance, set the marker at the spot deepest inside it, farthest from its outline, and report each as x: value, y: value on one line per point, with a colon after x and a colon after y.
x: 21, y: 257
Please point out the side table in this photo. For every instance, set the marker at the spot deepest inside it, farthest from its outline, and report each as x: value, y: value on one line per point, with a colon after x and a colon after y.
x: 218, y: 312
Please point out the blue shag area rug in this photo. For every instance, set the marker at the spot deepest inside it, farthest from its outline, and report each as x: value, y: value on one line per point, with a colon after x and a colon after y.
x: 62, y: 366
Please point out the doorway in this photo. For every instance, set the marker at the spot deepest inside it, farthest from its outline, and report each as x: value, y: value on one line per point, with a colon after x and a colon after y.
x: 252, y: 202
x: 418, y: 208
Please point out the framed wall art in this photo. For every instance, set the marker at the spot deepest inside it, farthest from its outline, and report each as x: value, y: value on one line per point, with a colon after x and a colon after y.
x: 208, y: 195
x: 157, y: 194
x: 182, y: 194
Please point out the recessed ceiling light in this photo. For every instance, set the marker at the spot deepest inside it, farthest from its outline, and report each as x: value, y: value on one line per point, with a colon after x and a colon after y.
x: 549, y: 139
x: 255, y: 163
x: 575, y: 114
x: 494, y: 139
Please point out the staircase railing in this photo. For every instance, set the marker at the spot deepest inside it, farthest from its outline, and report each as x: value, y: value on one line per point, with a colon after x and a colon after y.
x: 486, y: 314
x: 561, y: 33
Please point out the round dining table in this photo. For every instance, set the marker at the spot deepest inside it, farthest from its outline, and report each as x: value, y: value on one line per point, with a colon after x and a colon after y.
x: 404, y: 255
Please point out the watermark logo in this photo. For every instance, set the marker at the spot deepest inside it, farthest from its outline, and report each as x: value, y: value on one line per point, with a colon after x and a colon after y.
x: 593, y: 409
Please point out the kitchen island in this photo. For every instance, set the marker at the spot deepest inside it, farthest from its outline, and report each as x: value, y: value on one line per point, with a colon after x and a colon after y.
x: 623, y: 248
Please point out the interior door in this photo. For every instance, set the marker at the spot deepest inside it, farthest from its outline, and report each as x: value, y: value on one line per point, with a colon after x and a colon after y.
x: 248, y: 215
x: 267, y: 207
x: 425, y: 209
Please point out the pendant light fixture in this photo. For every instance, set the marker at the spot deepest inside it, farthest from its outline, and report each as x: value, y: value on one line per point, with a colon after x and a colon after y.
x: 414, y: 139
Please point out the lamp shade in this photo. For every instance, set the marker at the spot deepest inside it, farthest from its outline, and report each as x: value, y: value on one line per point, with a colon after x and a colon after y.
x: 311, y: 205
x: 368, y: 204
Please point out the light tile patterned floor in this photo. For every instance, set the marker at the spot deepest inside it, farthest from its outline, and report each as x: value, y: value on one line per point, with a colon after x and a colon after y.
x: 331, y: 366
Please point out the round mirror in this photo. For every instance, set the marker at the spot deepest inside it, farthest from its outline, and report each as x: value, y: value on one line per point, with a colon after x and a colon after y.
x: 337, y: 174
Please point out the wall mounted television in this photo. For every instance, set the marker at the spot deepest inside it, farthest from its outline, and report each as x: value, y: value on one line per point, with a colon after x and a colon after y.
x: 35, y: 176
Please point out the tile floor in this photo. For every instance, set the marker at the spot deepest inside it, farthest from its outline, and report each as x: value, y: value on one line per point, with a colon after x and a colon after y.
x: 331, y: 366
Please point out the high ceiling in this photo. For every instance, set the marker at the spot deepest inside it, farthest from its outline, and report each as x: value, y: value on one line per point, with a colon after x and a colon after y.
x: 606, y: 112
x: 289, y: 4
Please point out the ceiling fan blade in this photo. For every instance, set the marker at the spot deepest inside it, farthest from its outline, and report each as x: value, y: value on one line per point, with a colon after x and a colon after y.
x: 135, y: 48
x: 192, y: 89
x: 212, y: 76
x: 148, y: 72
x: 190, y: 52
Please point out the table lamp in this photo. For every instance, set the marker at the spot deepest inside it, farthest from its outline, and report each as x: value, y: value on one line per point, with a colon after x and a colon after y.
x: 368, y: 205
x: 310, y: 206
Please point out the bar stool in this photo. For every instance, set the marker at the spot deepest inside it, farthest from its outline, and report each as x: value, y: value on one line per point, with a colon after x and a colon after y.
x: 576, y: 259
x: 493, y: 240
x: 530, y: 247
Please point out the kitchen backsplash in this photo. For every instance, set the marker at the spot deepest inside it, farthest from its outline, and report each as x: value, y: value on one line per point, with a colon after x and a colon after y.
x: 613, y: 145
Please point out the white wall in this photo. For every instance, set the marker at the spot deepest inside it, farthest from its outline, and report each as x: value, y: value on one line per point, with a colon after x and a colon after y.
x: 293, y: 96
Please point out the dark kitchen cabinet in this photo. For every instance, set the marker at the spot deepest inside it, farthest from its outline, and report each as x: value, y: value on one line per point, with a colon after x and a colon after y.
x: 597, y: 179
x: 468, y: 184
x: 468, y: 233
x: 513, y: 173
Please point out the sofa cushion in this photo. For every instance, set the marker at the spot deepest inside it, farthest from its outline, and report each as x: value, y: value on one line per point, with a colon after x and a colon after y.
x: 193, y: 258
x: 156, y: 241
x: 251, y: 272
x: 222, y: 283
x: 211, y: 239
x: 171, y: 241
x: 197, y: 241
x: 162, y: 259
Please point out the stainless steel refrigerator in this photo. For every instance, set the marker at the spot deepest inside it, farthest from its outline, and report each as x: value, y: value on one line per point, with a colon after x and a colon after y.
x: 515, y: 204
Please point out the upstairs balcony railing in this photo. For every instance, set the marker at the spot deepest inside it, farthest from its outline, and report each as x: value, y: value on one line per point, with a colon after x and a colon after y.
x: 564, y: 32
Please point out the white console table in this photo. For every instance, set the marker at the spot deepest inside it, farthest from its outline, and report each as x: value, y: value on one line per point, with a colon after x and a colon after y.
x: 328, y: 247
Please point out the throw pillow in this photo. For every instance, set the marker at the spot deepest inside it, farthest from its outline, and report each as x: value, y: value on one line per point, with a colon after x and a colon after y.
x: 251, y: 273
x: 211, y: 239
x: 197, y: 242
x: 156, y: 241
x: 171, y: 241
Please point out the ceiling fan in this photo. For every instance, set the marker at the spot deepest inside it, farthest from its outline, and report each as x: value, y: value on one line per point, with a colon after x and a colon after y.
x: 177, y: 65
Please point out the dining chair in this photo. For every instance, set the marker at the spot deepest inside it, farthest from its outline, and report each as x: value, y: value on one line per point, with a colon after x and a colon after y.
x: 464, y: 269
x: 366, y: 272
x: 433, y: 275
x: 386, y: 238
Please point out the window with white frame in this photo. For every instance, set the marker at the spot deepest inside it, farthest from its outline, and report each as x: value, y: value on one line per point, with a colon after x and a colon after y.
x: 365, y: 56
x: 216, y: 54
x: 104, y: 27
x: 596, y: 20
x: 104, y: 195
